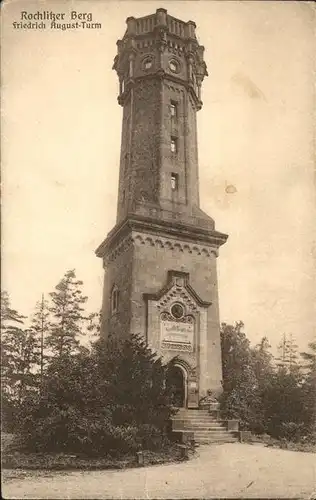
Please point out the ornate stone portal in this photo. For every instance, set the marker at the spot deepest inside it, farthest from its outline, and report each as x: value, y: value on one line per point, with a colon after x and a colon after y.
x: 160, y: 258
x: 177, y: 329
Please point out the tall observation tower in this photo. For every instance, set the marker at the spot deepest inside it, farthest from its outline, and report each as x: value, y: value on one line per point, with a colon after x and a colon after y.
x: 160, y: 258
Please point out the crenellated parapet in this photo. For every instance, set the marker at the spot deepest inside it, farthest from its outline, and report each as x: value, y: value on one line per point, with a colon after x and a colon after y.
x: 161, y: 46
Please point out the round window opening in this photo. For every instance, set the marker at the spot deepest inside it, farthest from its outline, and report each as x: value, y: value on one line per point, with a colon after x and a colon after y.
x: 147, y: 63
x: 174, y: 65
x: 177, y: 311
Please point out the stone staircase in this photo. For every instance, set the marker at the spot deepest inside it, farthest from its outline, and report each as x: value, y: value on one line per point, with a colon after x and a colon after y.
x: 203, y: 426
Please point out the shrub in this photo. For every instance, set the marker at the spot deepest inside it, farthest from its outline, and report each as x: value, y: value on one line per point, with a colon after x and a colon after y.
x: 292, y: 431
x: 110, y: 401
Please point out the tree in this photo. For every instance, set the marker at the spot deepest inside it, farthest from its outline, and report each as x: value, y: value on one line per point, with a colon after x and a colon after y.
x: 236, y: 355
x: 263, y: 367
x: 288, y: 353
x: 40, y: 325
x: 136, y: 378
x: 310, y: 357
x: 19, y: 355
x: 94, y: 325
x: 68, y: 317
x: 241, y: 398
x: 106, y: 400
x: 284, y: 404
x: 309, y: 389
x: 263, y: 361
x: 53, y: 419
x: 9, y: 316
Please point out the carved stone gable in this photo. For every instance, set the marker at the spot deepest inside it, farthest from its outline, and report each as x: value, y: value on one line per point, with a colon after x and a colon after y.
x: 178, y: 288
x: 177, y: 294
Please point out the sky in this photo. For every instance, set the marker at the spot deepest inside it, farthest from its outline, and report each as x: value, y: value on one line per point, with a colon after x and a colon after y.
x: 61, y: 133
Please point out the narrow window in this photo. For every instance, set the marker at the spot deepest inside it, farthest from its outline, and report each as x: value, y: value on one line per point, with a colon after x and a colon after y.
x: 173, y: 145
x: 114, y: 299
x: 174, y: 182
x: 123, y: 196
x: 173, y: 109
x: 125, y: 162
x: 148, y: 64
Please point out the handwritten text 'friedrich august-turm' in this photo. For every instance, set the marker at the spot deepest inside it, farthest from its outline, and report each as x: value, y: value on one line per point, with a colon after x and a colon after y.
x: 47, y: 19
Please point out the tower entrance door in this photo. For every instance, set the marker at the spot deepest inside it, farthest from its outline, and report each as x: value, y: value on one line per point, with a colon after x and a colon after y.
x: 176, y: 381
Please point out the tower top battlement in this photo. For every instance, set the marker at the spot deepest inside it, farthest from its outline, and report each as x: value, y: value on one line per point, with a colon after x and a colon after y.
x: 157, y: 35
x: 161, y: 20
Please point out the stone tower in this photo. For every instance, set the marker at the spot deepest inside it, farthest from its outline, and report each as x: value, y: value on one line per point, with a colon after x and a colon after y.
x: 160, y: 258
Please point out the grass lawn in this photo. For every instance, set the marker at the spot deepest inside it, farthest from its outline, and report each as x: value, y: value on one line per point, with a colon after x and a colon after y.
x: 13, y: 457
x: 226, y: 470
x: 305, y: 446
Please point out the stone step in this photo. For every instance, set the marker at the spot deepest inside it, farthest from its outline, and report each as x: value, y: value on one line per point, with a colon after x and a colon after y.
x: 203, y: 425
x: 195, y: 428
x: 206, y: 433
x: 198, y: 422
x: 197, y: 417
x: 216, y: 440
x: 204, y: 437
x: 197, y: 412
x: 194, y: 415
x: 192, y: 412
x: 198, y: 437
x: 197, y: 432
x: 225, y: 439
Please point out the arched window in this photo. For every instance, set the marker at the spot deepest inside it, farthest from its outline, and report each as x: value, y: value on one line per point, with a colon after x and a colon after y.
x: 173, y: 109
x: 114, y: 299
x: 174, y: 182
x: 174, y: 144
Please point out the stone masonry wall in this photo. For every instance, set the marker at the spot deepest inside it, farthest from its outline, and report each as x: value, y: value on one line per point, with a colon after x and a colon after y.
x: 140, y: 266
x: 151, y: 264
x: 145, y: 159
x: 118, y: 272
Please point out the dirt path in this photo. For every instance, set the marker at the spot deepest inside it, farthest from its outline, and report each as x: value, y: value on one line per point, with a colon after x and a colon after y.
x: 229, y: 470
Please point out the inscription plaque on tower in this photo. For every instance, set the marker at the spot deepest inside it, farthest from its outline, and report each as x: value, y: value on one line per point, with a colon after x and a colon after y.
x: 177, y: 335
